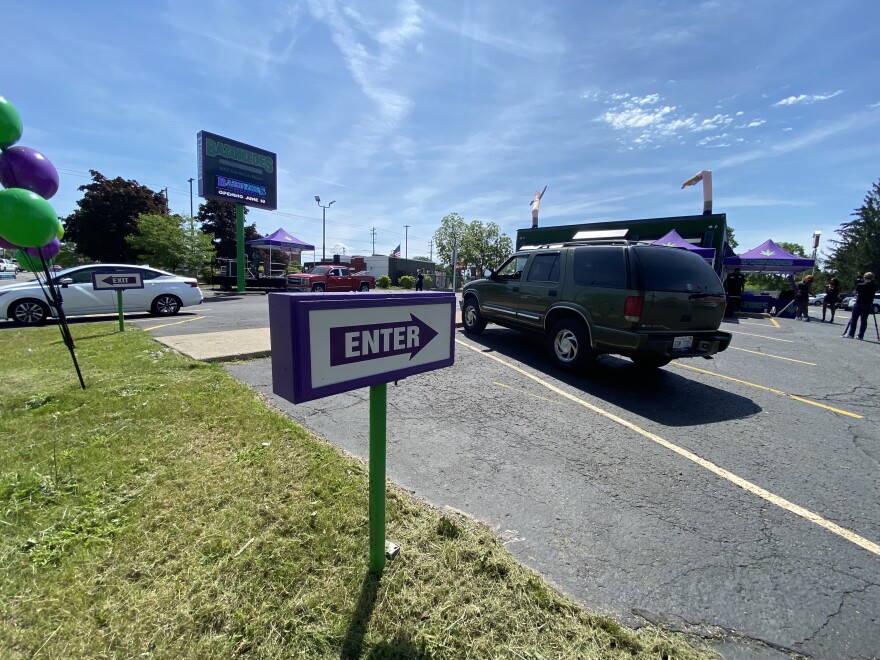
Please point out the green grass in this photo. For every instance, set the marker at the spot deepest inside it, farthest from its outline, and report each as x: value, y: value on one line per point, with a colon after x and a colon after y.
x: 144, y: 517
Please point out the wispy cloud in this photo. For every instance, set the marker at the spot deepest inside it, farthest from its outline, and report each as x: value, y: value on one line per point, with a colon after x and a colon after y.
x: 807, y: 99
x: 371, y: 52
x: 650, y: 121
x: 804, y: 141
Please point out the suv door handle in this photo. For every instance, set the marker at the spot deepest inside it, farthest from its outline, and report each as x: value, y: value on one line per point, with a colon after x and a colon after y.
x: 551, y: 292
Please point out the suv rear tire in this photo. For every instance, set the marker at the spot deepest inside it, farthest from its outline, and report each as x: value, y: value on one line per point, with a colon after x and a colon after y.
x: 570, y: 345
x: 471, y: 318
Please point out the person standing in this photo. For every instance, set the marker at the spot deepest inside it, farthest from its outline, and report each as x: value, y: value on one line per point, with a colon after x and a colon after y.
x: 734, y: 284
x: 802, y: 297
x: 420, y: 280
x: 865, y: 291
x: 832, y: 295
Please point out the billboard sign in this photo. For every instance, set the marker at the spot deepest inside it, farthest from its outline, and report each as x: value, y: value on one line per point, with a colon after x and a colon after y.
x: 231, y: 171
x: 324, y: 344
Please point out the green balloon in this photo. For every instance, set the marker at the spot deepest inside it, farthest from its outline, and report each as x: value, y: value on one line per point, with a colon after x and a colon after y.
x: 60, y: 234
x: 28, y: 262
x: 26, y: 219
x: 10, y: 124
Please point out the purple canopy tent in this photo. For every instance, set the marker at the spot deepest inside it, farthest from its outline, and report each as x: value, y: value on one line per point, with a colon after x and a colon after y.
x: 280, y: 239
x: 674, y: 239
x: 771, y: 259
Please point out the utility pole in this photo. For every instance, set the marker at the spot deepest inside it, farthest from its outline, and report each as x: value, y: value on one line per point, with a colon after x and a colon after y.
x: 431, y: 249
x: 167, y: 205
x: 373, y: 232
x: 406, y: 243
x: 190, y: 197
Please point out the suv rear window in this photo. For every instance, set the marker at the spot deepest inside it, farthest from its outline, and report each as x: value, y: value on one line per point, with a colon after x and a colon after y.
x: 603, y: 266
x: 673, y: 269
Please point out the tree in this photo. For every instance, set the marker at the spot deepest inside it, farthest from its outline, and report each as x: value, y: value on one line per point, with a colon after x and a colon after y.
x: 218, y: 218
x: 858, y: 249
x: 172, y: 242
x: 107, y: 214
x: 484, y: 245
x: 451, y: 232
x: 731, y: 241
x: 198, y: 247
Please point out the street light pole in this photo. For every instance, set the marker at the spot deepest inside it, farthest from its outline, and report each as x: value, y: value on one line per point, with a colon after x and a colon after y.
x: 190, y: 197
x: 816, y: 235
x: 406, y: 243
x: 324, y: 226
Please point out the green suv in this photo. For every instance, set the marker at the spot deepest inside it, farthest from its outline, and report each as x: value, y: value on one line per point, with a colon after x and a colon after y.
x: 650, y: 303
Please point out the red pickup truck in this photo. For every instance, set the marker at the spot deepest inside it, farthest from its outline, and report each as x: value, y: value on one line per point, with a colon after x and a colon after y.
x: 330, y: 278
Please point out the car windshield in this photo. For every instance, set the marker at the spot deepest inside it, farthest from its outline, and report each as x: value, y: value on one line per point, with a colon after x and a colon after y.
x: 672, y: 269
x: 319, y: 270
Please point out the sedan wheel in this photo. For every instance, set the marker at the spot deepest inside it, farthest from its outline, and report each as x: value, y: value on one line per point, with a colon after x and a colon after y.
x: 29, y: 312
x: 166, y: 305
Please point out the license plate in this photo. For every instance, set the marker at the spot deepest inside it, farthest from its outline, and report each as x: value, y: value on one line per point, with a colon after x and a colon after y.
x: 682, y: 343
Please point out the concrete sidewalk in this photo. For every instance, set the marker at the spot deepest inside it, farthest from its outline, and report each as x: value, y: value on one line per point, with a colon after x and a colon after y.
x: 221, y: 346
x: 233, y: 344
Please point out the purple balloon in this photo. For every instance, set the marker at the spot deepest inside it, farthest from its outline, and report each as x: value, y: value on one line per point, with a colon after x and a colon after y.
x: 6, y: 245
x: 23, y: 167
x: 49, y: 250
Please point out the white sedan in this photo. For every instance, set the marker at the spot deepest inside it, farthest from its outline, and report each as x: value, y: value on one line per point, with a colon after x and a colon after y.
x: 851, y: 302
x: 163, y: 294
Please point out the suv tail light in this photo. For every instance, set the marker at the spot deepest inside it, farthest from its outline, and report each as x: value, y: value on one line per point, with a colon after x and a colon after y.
x: 632, y: 308
x: 193, y: 284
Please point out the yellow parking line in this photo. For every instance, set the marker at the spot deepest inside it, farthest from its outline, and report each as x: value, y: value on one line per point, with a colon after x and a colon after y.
x: 737, y: 332
x: 748, y: 486
x: 778, y: 357
x: 767, y: 389
x: 543, y: 398
x: 775, y: 322
x: 156, y: 327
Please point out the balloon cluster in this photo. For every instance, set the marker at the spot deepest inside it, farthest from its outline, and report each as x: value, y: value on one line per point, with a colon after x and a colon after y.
x: 28, y: 222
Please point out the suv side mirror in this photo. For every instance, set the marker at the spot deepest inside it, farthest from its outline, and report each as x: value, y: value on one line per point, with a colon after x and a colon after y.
x: 64, y: 281
x: 487, y: 273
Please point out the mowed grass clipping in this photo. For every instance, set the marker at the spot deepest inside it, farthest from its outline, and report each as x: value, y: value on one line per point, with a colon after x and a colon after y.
x: 167, y: 512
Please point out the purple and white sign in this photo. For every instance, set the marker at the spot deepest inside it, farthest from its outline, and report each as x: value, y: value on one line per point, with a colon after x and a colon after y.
x: 116, y: 281
x: 324, y: 344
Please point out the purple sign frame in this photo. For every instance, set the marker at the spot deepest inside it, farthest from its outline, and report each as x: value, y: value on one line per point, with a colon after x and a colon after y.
x: 293, y: 326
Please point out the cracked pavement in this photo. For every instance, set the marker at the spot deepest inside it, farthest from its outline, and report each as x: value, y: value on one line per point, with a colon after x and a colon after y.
x: 631, y: 529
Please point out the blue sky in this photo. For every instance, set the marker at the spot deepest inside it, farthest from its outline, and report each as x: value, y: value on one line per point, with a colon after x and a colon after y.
x: 404, y: 111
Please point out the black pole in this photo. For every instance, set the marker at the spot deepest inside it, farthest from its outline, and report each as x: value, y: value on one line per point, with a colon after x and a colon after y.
x: 190, y: 197
x: 58, y: 303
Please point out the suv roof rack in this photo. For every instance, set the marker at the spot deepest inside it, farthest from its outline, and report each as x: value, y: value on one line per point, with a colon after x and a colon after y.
x: 582, y: 241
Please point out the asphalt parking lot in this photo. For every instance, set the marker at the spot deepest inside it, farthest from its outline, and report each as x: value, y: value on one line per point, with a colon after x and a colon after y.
x: 735, y: 498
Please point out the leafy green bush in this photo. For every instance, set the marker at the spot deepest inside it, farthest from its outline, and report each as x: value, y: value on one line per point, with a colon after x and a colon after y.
x: 428, y: 283
x: 383, y: 282
x: 406, y: 281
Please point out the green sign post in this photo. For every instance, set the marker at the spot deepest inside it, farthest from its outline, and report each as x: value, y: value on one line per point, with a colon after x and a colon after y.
x: 378, y: 417
x: 119, y: 306
x: 239, y: 246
